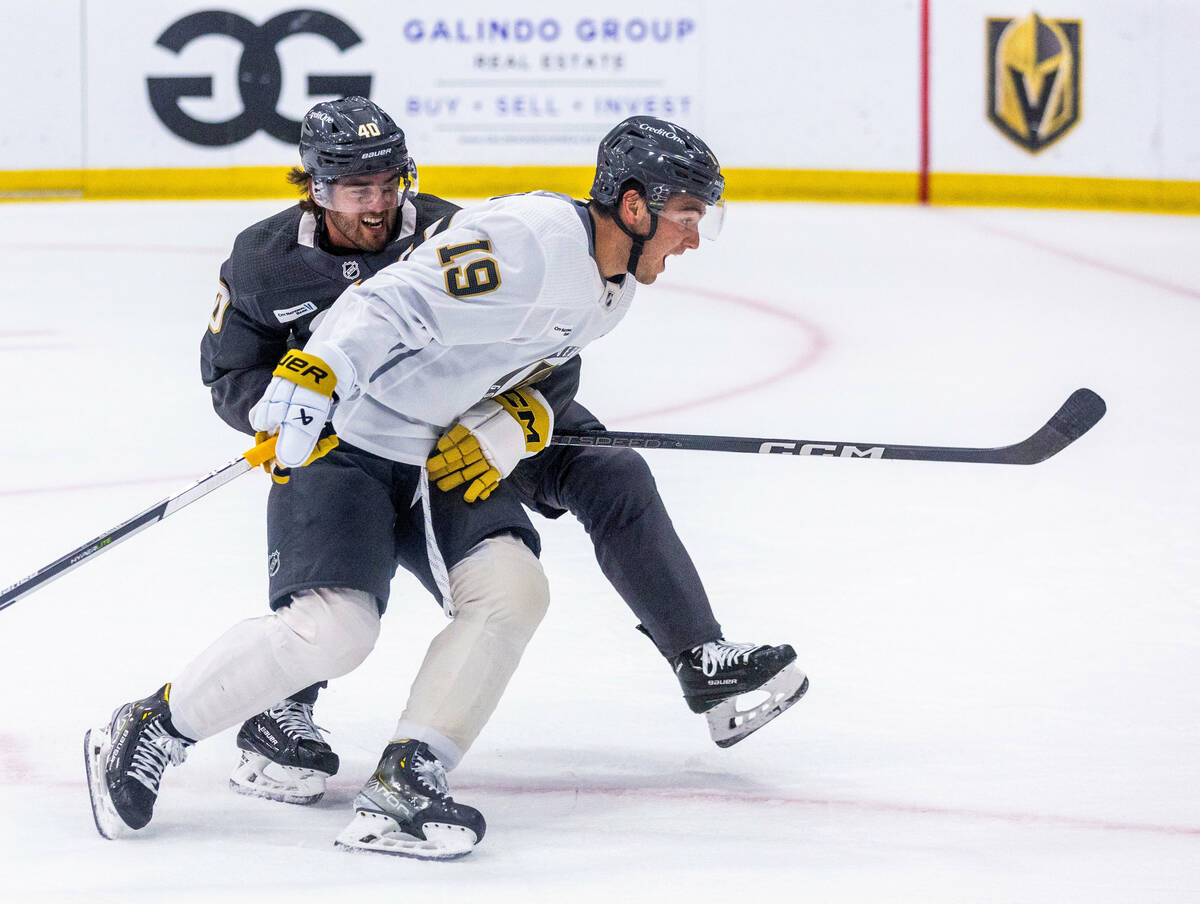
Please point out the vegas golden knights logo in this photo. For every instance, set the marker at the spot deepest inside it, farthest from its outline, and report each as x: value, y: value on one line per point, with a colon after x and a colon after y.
x: 1033, y: 78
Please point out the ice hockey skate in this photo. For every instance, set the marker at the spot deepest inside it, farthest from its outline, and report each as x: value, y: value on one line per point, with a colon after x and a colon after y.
x: 284, y: 758
x: 740, y: 687
x: 404, y: 809
x: 125, y: 760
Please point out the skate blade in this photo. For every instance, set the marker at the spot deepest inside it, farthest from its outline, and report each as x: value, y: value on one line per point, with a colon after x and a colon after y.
x: 258, y: 776
x: 96, y: 745
x: 380, y: 834
x: 727, y: 724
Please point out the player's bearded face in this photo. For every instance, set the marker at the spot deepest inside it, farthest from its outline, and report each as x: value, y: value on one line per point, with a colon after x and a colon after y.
x: 365, y: 231
x: 361, y: 211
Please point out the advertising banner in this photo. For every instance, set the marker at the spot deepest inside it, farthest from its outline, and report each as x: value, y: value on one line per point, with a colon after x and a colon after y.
x: 537, y: 84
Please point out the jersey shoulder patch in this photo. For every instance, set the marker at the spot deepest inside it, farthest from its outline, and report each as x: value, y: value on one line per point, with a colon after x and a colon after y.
x: 287, y: 315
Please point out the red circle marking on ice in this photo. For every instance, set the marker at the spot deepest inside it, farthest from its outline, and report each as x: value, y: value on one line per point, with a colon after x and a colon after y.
x: 816, y: 346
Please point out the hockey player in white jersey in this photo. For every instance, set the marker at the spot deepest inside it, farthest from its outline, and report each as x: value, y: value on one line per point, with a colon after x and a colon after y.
x: 360, y: 211
x: 440, y: 349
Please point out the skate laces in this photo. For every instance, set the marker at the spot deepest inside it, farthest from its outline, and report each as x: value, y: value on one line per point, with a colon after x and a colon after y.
x: 720, y: 654
x: 297, y: 720
x: 154, y: 749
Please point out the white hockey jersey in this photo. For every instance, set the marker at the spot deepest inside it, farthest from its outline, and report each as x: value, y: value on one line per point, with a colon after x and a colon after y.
x: 509, y: 289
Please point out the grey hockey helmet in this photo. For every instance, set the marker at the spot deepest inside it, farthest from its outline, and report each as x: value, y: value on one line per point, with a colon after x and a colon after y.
x: 661, y: 157
x: 349, y: 136
x: 352, y: 136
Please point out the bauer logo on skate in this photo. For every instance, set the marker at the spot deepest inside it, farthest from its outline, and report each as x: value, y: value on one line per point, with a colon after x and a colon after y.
x: 820, y: 449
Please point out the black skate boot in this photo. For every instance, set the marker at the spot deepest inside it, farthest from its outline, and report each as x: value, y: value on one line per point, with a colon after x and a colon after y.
x: 284, y: 757
x: 716, y: 674
x: 403, y: 809
x: 125, y: 760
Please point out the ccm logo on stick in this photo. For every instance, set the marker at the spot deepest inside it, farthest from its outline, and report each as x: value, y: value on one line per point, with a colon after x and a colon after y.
x: 821, y: 449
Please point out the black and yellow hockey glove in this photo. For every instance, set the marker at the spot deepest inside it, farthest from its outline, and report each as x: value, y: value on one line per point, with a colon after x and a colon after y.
x: 489, y: 440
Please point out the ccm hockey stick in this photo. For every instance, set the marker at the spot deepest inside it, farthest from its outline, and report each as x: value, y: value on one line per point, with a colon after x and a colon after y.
x: 1076, y: 417
x: 260, y: 454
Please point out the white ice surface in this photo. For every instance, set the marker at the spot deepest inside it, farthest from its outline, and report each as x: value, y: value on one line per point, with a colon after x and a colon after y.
x: 1005, y: 661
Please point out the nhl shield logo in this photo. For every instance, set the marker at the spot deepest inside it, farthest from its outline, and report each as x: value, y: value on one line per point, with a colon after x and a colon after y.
x: 273, y: 563
x: 1034, y: 69
x: 350, y: 269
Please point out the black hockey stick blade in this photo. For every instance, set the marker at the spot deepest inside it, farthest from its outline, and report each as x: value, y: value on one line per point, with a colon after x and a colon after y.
x: 1076, y: 417
x: 251, y: 459
x: 1078, y: 414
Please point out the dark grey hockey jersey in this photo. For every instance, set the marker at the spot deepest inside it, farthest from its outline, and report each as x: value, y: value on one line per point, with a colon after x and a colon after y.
x: 276, y: 280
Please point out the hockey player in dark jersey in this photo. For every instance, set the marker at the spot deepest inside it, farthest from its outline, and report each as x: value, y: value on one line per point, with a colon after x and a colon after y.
x: 266, y: 305
x: 360, y: 211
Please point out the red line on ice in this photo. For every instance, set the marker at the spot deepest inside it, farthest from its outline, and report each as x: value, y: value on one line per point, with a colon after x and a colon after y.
x: 16, y: 766
x: 100, y: 485
x: 816, y: 347
x: 869, y: 806
x: 36, y: 348
x: 1079, y: 258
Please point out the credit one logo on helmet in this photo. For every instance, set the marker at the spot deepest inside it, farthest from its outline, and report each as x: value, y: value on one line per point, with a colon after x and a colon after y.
x: 259, y: 74
x: 1033, y: 78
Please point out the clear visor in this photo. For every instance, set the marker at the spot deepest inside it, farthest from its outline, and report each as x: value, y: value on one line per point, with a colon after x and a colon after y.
x: 695, y: 215
x: 365, y: 193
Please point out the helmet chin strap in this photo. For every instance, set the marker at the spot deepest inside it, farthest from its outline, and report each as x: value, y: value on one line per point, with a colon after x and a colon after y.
x: 639, y: 241
x: 322, y: 231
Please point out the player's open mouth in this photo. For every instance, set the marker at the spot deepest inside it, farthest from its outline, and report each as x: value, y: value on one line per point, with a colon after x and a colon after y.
x: 373, y: 223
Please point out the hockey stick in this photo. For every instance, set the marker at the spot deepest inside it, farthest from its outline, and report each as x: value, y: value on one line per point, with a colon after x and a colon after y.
x: 250, y: 460
x: 1076, y: 417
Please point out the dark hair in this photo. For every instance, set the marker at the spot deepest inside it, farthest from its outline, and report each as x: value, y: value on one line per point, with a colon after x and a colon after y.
x: 302, y: 181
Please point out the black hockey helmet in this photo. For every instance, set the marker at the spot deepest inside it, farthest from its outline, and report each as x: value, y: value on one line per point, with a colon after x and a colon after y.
x: 661, y: 157
x: 351, y: 136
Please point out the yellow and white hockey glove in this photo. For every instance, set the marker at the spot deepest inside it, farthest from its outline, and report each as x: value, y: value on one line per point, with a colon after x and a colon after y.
x: 297, y: 404
x: 489, y: 440
x: 281, y: 475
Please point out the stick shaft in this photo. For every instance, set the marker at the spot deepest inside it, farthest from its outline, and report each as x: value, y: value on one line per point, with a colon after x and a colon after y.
x: 1074, y: 418
x: 139, y: 522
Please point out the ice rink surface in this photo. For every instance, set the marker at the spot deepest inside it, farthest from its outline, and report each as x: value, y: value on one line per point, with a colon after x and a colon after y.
x: 1005, y: 661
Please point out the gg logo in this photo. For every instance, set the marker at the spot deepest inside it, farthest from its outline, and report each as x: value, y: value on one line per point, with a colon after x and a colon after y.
x: 259, y: 75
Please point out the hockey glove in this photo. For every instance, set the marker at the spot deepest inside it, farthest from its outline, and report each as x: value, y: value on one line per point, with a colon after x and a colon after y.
x: 489, y: 440
x: 297, y: 404
x: 281, y: 475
